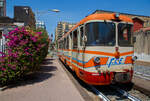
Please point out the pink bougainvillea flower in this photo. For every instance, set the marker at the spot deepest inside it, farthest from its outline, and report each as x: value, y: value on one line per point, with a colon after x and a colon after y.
x: 13, y: 67
x: 3, y: 69
x: 33, y: 39
x: 39, y: 33
x: 24, y: 50
x: 9, y: 65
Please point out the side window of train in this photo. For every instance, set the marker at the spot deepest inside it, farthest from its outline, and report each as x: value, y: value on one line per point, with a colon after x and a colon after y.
x: 81, y: 36
x: 64, y: 44
x: 60, y: 45
x: 71, y: 41
x: 75, y: 37
x: 67, y: 42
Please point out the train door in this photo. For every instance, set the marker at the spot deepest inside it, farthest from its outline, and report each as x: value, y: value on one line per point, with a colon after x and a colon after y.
x: 75, y: 48
x: 81, y: 44
x: 70, y: 48
x: 78, y: 45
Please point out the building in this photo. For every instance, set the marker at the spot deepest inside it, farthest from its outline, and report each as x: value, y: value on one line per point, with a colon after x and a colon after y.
x: 62, y: 28
x: 24, y: 14
x: 40, y: 24
x: 138, y: 20
x: 2, y: 7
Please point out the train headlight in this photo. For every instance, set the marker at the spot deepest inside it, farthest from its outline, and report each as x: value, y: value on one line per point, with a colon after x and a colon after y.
x: 134, y: 58
x: 97, y: 59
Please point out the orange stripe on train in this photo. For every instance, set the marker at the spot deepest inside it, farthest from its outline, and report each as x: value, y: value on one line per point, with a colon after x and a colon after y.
x: 99, y: 52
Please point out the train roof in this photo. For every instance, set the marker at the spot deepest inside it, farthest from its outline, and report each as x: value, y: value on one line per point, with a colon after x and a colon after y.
x: 106, y: 16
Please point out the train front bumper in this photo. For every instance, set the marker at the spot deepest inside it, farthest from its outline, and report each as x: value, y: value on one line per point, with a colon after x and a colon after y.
x: 107, y: 78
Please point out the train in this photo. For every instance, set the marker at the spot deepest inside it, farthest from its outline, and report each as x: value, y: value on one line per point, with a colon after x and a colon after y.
x: 99, y: 49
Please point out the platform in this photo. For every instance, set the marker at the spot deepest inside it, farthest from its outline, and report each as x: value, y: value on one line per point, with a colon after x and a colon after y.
x: 140, y: 81
x: 51, y: 83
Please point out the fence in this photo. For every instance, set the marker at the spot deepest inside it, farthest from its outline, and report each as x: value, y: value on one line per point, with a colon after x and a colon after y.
x: 2, y: 46
x: 142, y: 45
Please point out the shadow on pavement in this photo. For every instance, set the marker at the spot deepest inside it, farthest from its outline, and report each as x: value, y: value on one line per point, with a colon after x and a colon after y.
x: 44, y: 73
x: 47, y: 61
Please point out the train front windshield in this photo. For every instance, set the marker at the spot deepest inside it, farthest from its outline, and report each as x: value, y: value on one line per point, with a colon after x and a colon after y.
x: 104, y: 34
x: 100, y: 34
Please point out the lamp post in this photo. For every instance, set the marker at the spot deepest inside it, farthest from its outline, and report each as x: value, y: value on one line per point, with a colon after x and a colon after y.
x: 44, y: 12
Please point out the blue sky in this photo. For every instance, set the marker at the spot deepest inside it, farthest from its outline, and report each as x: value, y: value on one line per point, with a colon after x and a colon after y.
x: 74, y: 10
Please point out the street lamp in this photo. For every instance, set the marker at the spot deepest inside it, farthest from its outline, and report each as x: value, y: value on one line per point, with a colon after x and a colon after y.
x: 54, y: 10
x: 44, y: 12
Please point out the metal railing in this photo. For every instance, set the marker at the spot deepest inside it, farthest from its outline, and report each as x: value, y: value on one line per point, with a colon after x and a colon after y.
x: 2, y: 49
x: 142, y: 71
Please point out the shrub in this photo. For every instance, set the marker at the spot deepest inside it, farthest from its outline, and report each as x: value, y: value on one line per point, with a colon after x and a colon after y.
x: 26, y: 49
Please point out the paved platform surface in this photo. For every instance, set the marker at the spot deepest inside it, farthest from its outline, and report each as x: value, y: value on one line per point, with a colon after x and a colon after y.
x: 142, y: 85
x: 51, y: 83
x: 141, y: 81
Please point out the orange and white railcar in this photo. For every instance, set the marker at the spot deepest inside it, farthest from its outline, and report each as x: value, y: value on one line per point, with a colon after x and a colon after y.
x: 99, y: 49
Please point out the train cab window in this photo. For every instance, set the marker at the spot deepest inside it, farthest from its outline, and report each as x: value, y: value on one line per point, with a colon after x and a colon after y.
x: 100, y: 34
x: 124, y: 34
x: 75, y: 39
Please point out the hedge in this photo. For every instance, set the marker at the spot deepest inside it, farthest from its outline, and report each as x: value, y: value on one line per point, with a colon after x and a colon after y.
x: 26, y: 49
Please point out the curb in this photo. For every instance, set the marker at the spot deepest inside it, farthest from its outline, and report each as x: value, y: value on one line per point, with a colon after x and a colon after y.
x: 3, y: 88
x: 143, y: 90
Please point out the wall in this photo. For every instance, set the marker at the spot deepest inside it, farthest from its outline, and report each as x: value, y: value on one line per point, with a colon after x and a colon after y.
x: 142, y: 46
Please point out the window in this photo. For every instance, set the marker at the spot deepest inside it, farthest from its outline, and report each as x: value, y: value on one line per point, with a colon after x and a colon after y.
x: 64, y: 43
x: 61, y: 45
x: 1, y: 11
x: 81, y: 36
x: 1, y: 34
x: 1, y: 3
x: 75, y: 39
x: 0, y: 37
x: 67, y: 46
x: 100, y: 34
x: 124, y: 34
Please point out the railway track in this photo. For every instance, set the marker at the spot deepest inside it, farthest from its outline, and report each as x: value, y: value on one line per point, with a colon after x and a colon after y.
x: 124, y: 94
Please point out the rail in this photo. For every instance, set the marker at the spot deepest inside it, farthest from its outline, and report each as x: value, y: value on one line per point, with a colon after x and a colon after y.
x: 126, y: 94
x: 98, y: 93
